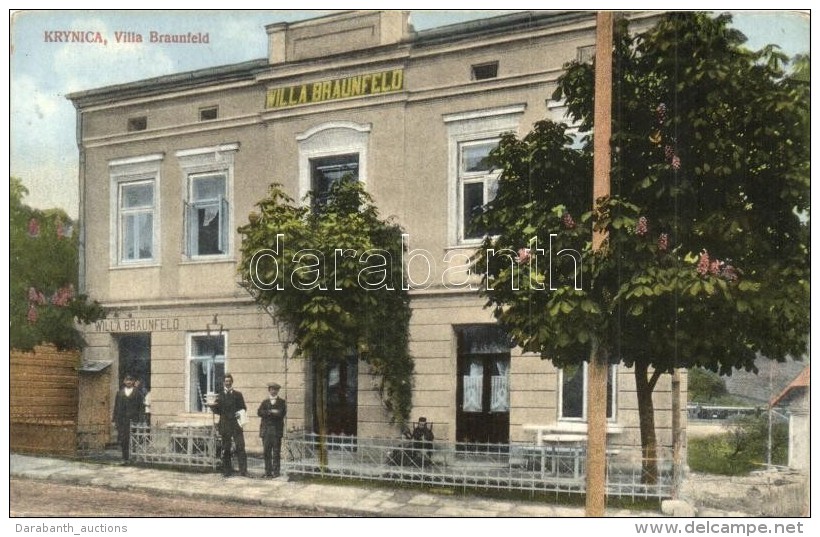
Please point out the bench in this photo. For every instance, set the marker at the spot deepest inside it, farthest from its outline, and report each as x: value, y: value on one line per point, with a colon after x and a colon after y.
x: 565, y: 431
x: 560, y: 447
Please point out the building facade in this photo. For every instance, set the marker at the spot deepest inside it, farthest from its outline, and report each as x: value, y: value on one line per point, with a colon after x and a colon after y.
x: 170, y: 167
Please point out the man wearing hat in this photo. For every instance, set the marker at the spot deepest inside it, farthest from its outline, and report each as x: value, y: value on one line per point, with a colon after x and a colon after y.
x: 128, y: 407
x: 230, y: 406
x: 272, y: 411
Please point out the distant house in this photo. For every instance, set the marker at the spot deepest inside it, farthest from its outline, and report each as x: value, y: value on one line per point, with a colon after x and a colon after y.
x: 794, y: 399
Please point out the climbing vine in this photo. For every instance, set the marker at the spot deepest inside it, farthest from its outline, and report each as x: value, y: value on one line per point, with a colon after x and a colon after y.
x: 331, y: 269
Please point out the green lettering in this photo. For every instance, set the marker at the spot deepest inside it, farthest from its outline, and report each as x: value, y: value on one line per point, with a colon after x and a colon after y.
x: 316, y: 93
x: 398, y: 79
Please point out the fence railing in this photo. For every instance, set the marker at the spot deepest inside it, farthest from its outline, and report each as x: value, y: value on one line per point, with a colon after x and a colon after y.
x: 527, y: 467
x: 189, y: 445
x: 515, y: 466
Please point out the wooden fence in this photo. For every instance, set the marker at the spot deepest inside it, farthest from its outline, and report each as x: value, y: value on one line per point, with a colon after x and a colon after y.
x: 44, y: 396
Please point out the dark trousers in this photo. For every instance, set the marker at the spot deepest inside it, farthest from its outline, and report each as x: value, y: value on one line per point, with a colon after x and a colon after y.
x: 238, y: 438
x: 124, y: 439
x: 272, y: 452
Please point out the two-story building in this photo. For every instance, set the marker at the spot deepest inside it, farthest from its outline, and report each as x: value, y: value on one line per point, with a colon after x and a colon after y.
x: 170, y: 167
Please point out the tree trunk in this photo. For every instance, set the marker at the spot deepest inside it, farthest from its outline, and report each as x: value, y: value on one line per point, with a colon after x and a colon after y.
x: 320, y: 400
x: 646, y: 413
x: 596, y: 432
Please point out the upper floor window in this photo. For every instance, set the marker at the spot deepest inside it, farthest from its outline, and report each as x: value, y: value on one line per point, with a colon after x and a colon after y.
x: 472, y: 180
x: 573, y: 392
x: 484, y: 71
x: 586, y: 54
x: 135, y: 210
x: 207, y: 206
x: 330, y: 151
x: 478, y: 181
x: 137, y: 123
x: 327, y: 170
x: 207, y: 214
x: 137, y: 220
x: 209, y: 113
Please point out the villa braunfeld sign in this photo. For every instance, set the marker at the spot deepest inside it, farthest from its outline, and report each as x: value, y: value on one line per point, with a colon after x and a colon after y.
x: 340, y: 88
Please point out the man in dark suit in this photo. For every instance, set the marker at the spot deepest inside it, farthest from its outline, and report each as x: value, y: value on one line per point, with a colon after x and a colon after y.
x: 230, y: 405
x: 128, y: 407
x: 272, y: 411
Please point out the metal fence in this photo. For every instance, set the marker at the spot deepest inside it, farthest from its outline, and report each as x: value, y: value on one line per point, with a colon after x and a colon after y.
x: 526, y: 467
x: 559, y: 468
x: 188, y: 445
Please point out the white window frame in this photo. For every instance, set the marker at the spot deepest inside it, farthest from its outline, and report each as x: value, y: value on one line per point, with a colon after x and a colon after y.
x: 328, y: 140
x: 613, y: 370
x: 198, y: 163
x: 143, y: 169
x: 189, y: 360
x: 559, y: 112
x: 466, y: 128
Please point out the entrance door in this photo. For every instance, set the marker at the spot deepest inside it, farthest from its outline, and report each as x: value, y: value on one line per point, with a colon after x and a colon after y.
x: 135, y: 358
x: 483, y: 394
x: 342, y: 389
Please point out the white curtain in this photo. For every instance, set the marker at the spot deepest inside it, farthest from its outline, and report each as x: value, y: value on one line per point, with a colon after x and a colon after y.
x: 500, y: 388
x: 472, y: 393
x: 211, y: 212
x: 333, y: 376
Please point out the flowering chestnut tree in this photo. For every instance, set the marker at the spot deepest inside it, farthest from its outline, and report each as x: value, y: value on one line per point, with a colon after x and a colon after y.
x: 44, y: 305
x: 706, y: 260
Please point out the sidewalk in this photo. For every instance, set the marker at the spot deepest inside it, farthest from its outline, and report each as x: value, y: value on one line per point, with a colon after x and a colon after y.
x: 337, y: 499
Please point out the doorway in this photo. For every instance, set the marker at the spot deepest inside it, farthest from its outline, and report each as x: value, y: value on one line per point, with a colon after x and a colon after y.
x: 482, y: 388
x: 342, y: 400
x: 135, y: 358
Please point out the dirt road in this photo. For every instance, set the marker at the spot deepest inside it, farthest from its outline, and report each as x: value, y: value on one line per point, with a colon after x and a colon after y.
x: 35, y: 499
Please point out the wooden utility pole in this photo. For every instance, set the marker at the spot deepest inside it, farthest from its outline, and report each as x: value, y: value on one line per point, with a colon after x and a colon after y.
x: 598, y: 363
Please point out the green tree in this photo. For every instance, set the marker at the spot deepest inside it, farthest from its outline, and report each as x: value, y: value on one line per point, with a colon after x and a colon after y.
x: 706, y: 260
x: 705, y: 386
x: 334, y: 274
x: 43, y: 271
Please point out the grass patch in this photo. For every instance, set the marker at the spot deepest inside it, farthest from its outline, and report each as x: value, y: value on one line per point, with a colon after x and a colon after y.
x: 740, y: 450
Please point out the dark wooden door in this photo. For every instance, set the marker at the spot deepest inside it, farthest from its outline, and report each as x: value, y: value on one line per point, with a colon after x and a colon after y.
x: 482, y: 388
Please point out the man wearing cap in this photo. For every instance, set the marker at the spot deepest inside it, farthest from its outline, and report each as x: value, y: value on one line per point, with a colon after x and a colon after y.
x: 272, y: 411
x: 230, y: 405
x: 128, y: 407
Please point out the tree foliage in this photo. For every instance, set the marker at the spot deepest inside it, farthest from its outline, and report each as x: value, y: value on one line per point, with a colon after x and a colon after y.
x: 43, y: 274
x: 706, y: 260
x: 335, y: 276
x: 705, y: 386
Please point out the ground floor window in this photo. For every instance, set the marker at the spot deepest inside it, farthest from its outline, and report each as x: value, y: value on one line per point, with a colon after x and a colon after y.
x: 206, y: 368
x: 573, y: 392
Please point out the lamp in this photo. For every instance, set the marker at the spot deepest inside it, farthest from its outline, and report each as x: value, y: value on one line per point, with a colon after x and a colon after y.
x: 214, y: 327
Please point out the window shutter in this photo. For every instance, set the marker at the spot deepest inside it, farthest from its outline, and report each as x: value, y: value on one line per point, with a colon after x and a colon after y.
x: 223, y: 225
x: 186, y: 226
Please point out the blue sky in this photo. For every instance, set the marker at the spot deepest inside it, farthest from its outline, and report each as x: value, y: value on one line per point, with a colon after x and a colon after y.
x: 42, y: 135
